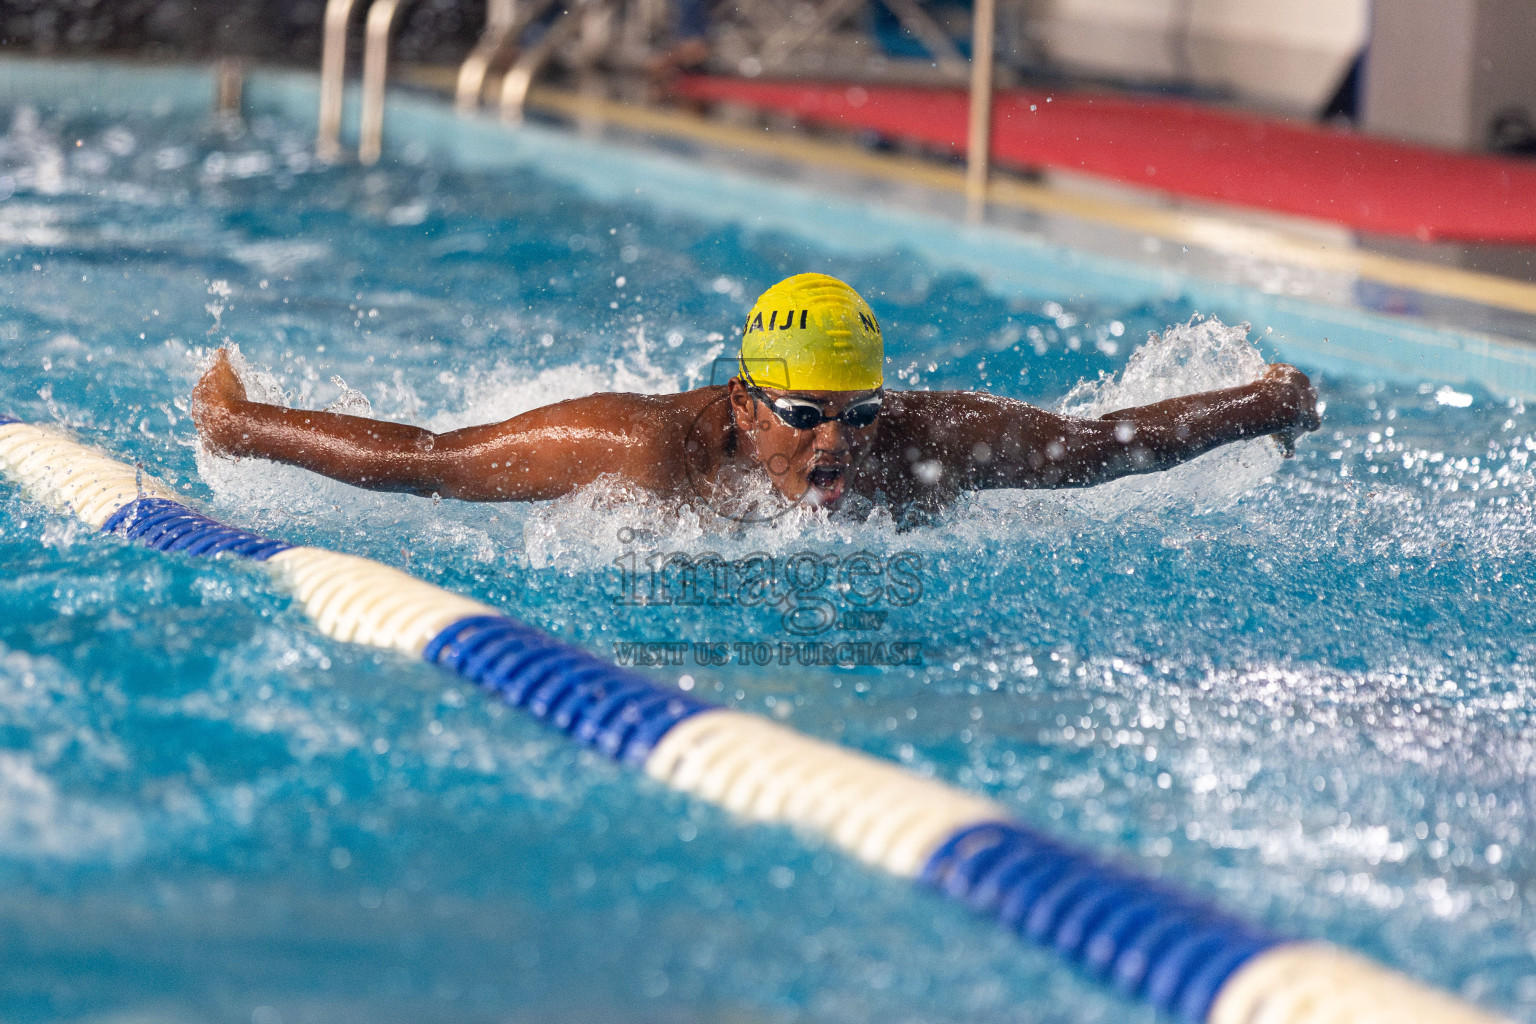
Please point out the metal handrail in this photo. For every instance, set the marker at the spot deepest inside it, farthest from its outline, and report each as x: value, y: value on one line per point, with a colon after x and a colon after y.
x: 503, y: 26
x: 515, y: 86
x: 230, y: 72
x: 979, y: 143
x: 333, y: 69
x: 381, y: 20
x: 333, y: 77
x: 500, y: 20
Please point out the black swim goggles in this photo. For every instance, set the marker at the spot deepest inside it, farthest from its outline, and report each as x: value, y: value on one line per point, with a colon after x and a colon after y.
x: 801, y: 414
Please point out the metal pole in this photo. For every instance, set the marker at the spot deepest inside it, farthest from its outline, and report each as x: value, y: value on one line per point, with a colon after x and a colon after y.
x: 381, y: 18
x: 979, y: 149
x: 515, y: 86
x: 500, y: 19
x: 333, y: 69
x: 231, y: 76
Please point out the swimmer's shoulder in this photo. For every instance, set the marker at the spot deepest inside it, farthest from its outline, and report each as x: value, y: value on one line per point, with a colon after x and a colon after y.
x: 651, y: 428
x: 640, y: 415
x: 919, y: 417
x: 686, y: 412
x: 937, y: 406
x: 671, y: 437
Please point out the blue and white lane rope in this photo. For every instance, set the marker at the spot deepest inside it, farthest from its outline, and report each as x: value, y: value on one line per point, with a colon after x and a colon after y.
x: 1150, y: 941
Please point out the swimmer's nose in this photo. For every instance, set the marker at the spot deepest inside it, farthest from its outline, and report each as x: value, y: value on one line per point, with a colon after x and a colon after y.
x: 832, y: 436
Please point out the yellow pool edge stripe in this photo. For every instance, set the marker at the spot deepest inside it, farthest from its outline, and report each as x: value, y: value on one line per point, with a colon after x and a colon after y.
x: 1185, y: 227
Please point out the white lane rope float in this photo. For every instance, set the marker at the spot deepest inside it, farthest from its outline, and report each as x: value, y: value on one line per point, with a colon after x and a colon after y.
x: 1150, y: 940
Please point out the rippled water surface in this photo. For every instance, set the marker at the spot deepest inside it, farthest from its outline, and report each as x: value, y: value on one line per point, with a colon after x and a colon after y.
x: 1302, y: 686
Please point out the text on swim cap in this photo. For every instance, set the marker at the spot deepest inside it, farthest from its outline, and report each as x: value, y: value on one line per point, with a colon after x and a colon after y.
x: 755, y: 323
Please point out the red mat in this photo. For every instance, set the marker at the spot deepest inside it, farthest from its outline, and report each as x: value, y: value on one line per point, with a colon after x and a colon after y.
x: 1189, y: 150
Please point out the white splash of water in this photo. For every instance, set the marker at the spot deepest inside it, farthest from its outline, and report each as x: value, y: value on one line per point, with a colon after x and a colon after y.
x: 38, y: 819
x: 599, y: 523
x: 29, y: 224
x: 278, y: 256
x: 221, y: 291
x: 506, y: 390
x: 260, y: 385
x: 1201, y: 355
x: 30, y: 156
x: 352, y: 401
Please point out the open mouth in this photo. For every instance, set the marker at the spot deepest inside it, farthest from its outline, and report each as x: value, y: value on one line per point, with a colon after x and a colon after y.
x: 826, y: 485
x: 824, y: 476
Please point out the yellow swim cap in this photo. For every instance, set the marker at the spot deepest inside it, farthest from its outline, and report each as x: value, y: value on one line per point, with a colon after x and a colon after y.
x: 812, y: 332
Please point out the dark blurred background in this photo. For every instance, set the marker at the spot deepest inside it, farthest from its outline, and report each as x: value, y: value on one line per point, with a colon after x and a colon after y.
x: 273, y: 31
x: 1459, y: 75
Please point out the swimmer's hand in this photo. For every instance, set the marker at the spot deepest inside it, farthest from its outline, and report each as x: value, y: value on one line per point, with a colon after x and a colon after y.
x: 216, y: 402
x: 1295, y: 401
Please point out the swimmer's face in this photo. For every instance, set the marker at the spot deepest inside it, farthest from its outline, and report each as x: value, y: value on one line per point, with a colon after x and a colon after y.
x: 811, y: 465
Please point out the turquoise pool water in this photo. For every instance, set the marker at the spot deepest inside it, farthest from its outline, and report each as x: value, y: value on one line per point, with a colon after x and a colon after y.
x: 1301, y: 687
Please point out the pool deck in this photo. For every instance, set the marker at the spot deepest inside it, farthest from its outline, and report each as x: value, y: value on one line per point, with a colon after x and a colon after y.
x: 1180, y: 147
x: 1436, y: 280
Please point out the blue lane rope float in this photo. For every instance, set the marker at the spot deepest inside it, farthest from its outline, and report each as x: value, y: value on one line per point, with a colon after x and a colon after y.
x: 170, y: 526
x: 614, y: 710
x: 1151, y: 941
x: 1148, y: 940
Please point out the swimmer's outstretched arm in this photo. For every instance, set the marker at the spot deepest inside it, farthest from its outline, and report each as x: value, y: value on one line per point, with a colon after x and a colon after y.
x: 1001, y: 443
x: 541, y: 454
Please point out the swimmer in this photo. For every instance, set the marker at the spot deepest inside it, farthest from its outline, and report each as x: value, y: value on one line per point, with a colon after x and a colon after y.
x: 808, y: 408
